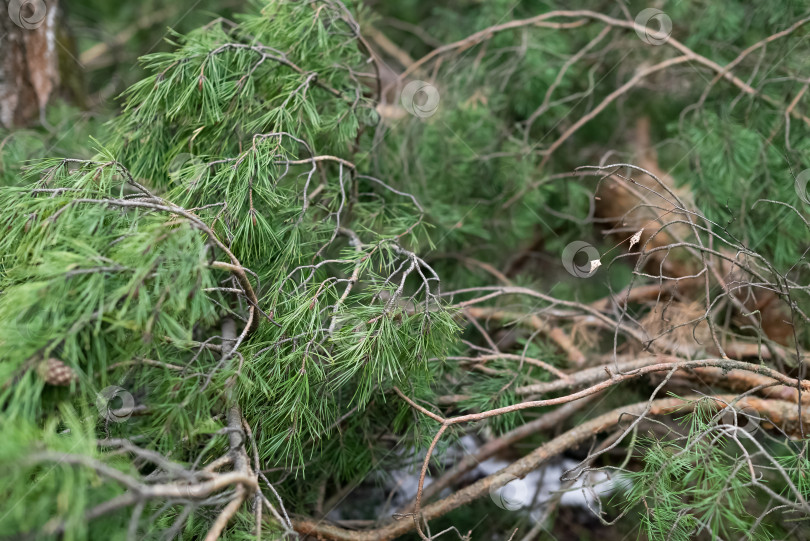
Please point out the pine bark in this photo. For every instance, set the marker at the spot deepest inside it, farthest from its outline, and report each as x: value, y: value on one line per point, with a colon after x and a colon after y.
x: 29, y: 59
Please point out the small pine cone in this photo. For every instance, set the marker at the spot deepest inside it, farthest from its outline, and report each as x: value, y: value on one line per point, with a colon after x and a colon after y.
x: 55, y: 372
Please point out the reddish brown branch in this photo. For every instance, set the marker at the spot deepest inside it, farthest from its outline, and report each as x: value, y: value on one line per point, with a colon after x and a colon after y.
x: 549, y: 420
x: 780, y: 413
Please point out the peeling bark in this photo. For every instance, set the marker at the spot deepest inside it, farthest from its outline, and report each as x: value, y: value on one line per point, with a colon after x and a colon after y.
x: 29, y: 65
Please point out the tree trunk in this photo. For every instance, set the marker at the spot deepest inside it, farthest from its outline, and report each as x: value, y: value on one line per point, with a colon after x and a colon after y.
x: 29, y: 59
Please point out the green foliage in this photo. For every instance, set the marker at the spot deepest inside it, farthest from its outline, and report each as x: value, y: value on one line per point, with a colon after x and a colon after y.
x: 118, y: 278
x: 703, y: 481
x: 235, y: 186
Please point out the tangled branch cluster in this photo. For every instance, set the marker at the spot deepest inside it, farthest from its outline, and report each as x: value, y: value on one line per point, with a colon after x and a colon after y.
x: 282, y: 321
